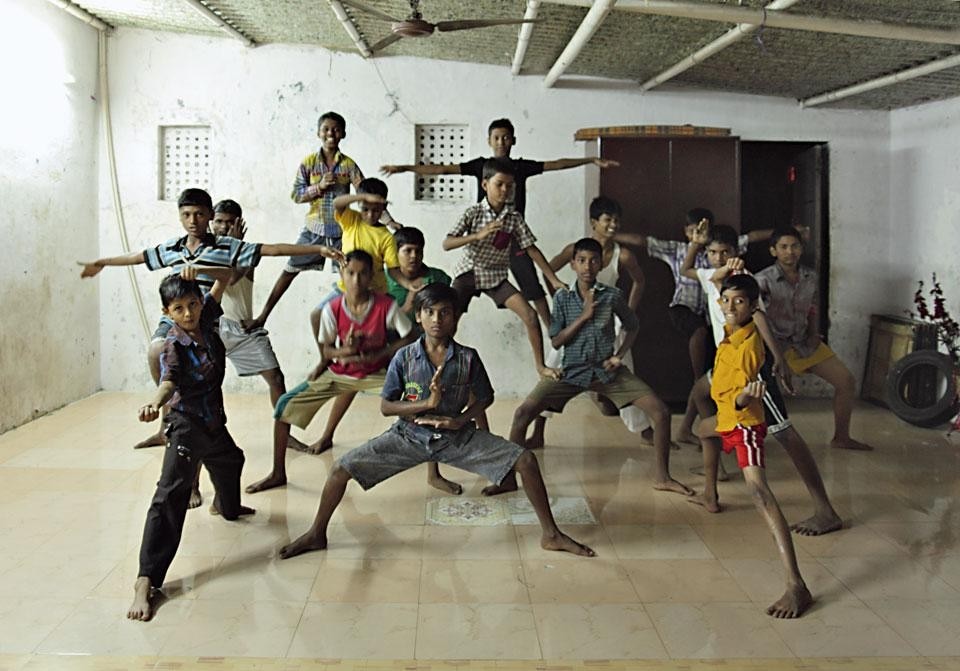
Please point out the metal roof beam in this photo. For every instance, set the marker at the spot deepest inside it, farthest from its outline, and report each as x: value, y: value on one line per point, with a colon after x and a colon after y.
x: 591, y: 22
x: 881, y: 82
x: 787, y: 21
x: 523, y: 40
x: 82, y: 14
x: 220, y: 21
x: 730, y: 37
x: 350, y: 27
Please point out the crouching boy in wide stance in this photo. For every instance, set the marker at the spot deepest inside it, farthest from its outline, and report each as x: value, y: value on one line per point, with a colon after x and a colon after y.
x: 738, y: 392
x: 428, y: 387
x: 191, y: 374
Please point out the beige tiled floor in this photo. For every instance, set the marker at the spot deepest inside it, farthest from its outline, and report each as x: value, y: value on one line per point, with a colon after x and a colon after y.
x: 670, y: 582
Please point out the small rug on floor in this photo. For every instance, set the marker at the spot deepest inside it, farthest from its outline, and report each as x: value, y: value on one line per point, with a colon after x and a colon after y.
x: 488, y: 512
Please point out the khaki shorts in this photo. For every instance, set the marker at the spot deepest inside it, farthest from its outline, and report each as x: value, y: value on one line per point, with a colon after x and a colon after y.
x: 800, y: 365
x: 622, y: 390
x: 466, y: 287
x: 300, y: 404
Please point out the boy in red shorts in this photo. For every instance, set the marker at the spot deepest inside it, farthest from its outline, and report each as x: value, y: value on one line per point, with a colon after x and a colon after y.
x: 738, y: 392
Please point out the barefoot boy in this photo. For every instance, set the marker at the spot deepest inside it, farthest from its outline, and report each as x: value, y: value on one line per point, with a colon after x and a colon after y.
x: 501, y: 138
x: 790, y: 290
x: 429, y: 387
x: 191, y: 374
x: 353, y: 338
x: 487, y: 231
x: 721, y: 253
x: 738, y: 390
x: 583, y: 325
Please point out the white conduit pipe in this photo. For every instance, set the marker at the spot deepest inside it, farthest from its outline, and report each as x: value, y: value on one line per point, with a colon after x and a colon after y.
x: 81, y: 14
x: 591, y: 22
x: 523, y: 41
x: 219, y: 20
x: 350, y: 27
x: 730, y: 37
x: 114, y: 181
x: 880, y: 82
x: 773, y: 19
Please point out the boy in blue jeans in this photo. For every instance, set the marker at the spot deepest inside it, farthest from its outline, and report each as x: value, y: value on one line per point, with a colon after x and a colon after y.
x: 192, y: 366
x: 436, y: 388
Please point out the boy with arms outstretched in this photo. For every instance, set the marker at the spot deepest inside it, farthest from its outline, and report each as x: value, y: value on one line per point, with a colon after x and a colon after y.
x: 737, y: 390
x: 790, y: 290
x: 501, y: 138
x: 487, y: 230
x: 721, y: 253
x: 202, y: 250
x: 354, y: 351
x: 321, y: 178
x: 191, y: 374
x: 429, y: 388
x: 583, y: 325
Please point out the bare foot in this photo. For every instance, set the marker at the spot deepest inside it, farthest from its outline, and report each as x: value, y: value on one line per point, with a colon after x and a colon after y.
x: 439, y: 482
x: 141, y: 609
x: 154, y: 440
x: 672, y: 485
x: 320, y: 446
x: 792, y: 604
x: 196, y: 499
x: 306, y: 543
x: 502, y: 488
x: 295, y: 444
x: 850, y: 444
x: 244, y: 510
x: 563, y: 543
x: 269, y: 482
x: 710, y: 505
x: 817, y: 525
x: 686, y: 436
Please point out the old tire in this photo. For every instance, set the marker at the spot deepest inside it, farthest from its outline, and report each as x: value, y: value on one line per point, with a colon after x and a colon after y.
x: 922, y: 388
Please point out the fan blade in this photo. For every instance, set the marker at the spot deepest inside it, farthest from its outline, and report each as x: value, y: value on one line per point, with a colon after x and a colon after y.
x: 368, y: 9
x: 385, y: 42
x: 467, y: 24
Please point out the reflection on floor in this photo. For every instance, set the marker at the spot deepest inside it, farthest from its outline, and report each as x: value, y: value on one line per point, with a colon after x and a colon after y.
x: 414, y: 574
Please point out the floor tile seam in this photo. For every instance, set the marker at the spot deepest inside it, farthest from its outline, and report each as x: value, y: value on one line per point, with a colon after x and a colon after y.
x: 892, y: 627
x: 930, y: 576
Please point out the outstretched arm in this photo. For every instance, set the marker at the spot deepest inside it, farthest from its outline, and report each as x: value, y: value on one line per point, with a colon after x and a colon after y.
x: 548, y: 273
x: 632, y: 239
x: 92, y: 268
x: 448, y: 169
x: 562, y: 259
x: 286, y: 249
x: 452, y: 242
x: 150, y: 411
x: 564, y: 163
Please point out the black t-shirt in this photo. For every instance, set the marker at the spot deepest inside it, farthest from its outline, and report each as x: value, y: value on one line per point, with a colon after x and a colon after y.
x: 524, y: 168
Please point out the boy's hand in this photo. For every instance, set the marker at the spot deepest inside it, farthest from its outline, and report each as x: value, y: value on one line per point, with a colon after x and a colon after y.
x: 439, y: 422
x: 237, y: 228
x: 701, y: 234
x: 189, y: 273
x: 557, y: 284
x: 372, y: 199
x: 390, y: 169
x: 606, y: 163
x: 812, y: 342
x: 333, y: 254
x: 782, y: 370
x: 89, y: 269
x: 327, y: 180
x: 436, y: 391
x: 589, y: 304
x: 612, y: 363
x: 317, y: 370
x: 735, y: 265
x: 753, y: 390
x: 352, y: 341
x: 148, y: 412
x: 489, y: 229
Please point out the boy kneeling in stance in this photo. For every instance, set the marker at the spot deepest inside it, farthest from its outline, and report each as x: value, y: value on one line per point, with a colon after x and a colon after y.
x: 738, y: 392
x: 428, y: 387
x: 191, y: 374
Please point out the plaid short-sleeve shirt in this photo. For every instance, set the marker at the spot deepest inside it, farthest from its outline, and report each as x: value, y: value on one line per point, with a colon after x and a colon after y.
x: 489, y: 263
x: 320, y: 217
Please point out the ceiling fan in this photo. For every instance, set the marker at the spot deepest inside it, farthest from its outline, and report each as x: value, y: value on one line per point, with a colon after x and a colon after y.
x: 415, y: 26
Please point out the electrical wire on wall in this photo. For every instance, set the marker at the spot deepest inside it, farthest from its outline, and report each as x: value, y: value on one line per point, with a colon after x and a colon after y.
x: 114, y: 180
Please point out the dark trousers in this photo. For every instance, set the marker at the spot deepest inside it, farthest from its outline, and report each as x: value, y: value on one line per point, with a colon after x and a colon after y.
x: 188, y: 442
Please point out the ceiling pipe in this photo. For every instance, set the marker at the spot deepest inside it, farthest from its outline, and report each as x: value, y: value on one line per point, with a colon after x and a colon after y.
x: 82, y: 14
x: 220, y: 21
x: 730, y: 37
x: 350, y: 27
x: 595, y: 16
x: 775, y: 19
x: 523, y: 41
x: 881, y: 82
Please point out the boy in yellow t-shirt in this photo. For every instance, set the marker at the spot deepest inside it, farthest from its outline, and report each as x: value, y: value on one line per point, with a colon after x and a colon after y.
x: 738, y: 392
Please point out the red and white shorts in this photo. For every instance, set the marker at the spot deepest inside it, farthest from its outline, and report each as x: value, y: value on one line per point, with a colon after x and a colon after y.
x: 748, y: 442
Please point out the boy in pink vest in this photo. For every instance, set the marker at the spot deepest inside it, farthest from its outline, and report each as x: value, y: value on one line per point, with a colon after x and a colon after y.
x: 353, y: 339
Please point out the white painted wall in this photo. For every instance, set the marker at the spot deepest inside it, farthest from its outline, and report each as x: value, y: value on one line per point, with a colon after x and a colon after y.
x: 263, y: 104
x: 49, y: 328
x: 925, y: 199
